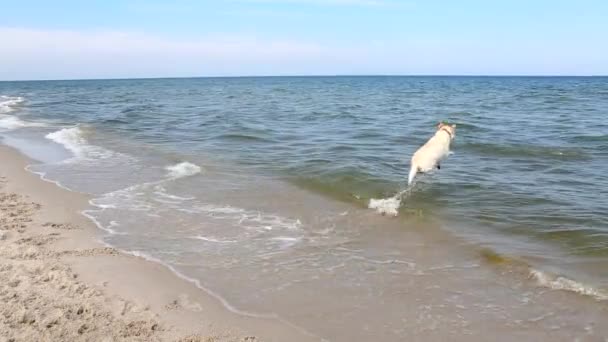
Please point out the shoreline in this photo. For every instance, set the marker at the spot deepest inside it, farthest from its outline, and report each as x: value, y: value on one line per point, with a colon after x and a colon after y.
x: 52, y: 247
x: 115, y: 295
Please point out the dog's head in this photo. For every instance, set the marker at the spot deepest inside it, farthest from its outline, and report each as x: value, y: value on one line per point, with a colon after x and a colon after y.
x: 451, y: 129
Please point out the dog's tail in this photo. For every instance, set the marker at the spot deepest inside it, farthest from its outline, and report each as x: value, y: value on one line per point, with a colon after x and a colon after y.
x: 413, y: 172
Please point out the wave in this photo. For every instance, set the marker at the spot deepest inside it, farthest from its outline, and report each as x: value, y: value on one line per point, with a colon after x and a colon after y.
x: 152, y: 200
x: 527, y: 151
x: 70, y: 138
x: 348, y: 183
x: 8, y: 103
x: 183, y: 169
x: 589, y: 138
x: 467, y: 126
x: 146, y: 196
x: 12, y: 122
x: 115, y: 121
x: 557, y: 282
x: 542, y: 278
x: 243, y: 137
x: 73, y: 139
x: 9, y: 122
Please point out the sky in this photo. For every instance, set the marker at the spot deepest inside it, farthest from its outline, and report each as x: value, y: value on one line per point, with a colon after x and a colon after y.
x: 63, y: 39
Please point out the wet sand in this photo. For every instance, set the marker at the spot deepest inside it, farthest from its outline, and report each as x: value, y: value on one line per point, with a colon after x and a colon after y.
x: 60, y: 283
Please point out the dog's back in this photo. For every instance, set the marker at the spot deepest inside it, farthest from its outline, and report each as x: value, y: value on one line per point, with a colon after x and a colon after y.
x: 430, y: 154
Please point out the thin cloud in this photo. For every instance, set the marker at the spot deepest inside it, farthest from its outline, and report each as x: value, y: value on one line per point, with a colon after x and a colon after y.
x: 64, y: 54
x: 48, y: 54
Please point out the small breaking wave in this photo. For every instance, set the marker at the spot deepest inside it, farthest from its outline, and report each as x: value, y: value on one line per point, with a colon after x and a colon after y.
x: 70, y: 138
x: 73, y: 139
x: 542, y: 278
x: 151, y: 199
x: 9, y: 122
x: 183, y: 169
x: 147, y: 196
x: 8, y: 103
x: 557, y: 282
x: 12, y: 122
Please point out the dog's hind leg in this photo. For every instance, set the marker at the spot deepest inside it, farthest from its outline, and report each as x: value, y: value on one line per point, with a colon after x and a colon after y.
x: 413, y: 172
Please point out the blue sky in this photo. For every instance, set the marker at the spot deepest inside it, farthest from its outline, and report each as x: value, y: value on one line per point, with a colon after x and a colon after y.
x: 137, y: 38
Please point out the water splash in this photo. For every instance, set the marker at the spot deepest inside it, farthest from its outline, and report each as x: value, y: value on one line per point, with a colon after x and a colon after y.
x: 391, y: 205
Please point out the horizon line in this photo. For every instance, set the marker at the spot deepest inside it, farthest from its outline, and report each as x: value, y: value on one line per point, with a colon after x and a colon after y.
x: 296, y: 75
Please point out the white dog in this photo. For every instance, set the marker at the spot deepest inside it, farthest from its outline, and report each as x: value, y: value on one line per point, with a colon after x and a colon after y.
x: 433, y: 152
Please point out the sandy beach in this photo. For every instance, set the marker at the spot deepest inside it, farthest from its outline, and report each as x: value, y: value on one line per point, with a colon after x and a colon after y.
x: 60, y: 284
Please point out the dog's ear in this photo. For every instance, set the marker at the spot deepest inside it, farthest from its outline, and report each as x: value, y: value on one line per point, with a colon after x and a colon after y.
x: 439, y: 125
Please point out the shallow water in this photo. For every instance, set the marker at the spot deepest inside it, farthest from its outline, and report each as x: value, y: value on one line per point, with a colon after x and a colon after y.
x: 258, y: 188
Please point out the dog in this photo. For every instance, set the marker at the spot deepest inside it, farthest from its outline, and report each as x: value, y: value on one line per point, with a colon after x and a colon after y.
x: 429, y: 156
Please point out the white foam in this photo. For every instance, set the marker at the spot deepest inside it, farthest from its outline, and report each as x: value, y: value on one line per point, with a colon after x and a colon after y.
x: 389, y: 206
x: 73, y: 140
x: 9, y: 122
x: 141, y: 197
x: 12, y: 122
x: 386, y: 206
x: 210, y: 239
x: 286, y: 241
x: 162, y: 192
x: 183, y: 169
x: 557, y: 282
x: 70, y: 138
x: 42, y: 176
x: 7, y: 103
x: 89, y: 215
x: 250, y: 219
x: 151, y: 197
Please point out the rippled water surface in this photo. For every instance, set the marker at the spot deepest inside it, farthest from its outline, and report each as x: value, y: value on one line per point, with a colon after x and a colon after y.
x: 264, y: 183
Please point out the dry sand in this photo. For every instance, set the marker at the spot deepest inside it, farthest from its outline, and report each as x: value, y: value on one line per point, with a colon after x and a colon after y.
x: 58, y: 283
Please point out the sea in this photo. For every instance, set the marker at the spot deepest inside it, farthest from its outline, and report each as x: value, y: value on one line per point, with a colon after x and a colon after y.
x: 286, y: 197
